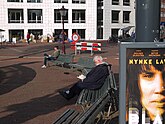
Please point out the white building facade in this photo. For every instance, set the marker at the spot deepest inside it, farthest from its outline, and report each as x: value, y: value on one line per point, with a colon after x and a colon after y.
x: 91, y: 19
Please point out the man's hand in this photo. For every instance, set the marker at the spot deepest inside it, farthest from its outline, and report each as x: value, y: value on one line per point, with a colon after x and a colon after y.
x: 82, y: 77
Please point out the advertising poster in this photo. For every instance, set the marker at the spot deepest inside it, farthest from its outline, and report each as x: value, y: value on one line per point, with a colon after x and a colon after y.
x: 145, y: 85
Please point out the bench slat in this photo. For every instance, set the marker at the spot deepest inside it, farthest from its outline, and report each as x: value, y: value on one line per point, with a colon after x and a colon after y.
x: 90, y: 114
x: 64, y: 116
x: 63, y: 59
x: 71, y: 118
x: 84, y: 64
x: 90, y: 96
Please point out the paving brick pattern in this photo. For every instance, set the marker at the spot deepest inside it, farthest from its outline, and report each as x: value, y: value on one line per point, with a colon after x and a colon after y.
x: 29, y: 94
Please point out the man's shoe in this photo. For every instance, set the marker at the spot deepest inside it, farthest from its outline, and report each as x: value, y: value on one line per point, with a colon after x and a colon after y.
x: 44, y: 66
x: 65, y: 95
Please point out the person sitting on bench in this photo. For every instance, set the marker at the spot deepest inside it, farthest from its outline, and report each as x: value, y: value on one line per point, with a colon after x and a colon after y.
x: 53, y: 56
x: 93, y: 80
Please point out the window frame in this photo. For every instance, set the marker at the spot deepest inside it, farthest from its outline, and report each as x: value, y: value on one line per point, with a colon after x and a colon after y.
x: 115, y: 2
x: 115, y: 16
x: 126, y: 2
x: 15, y: 1
x: 126, y: 16
x: 79, y: 1
x: 58, y: 17
x: 78, y: 16
x: 15, y: 16
x: 80, y: 32
x: 32, y: 16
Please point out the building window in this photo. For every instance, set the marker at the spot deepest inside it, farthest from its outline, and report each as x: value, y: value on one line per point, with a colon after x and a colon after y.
x: 114, y: 32
x: 100, y: 17
x: 126, y: 16
x: 78, y: 16
x: 115, y: 2
x: 16, y: 33
x: 15, y: 16
x: 99, y: 32
x: 14, y: 0
x: 99, y: 3
x: 80, y: 32
x: 126, y: 2
x: 115, y: 16
x: 34, y: 1
x: 35, y: 16
x: 37, y: 33
x: 78, y: 1
x: 114, y: 35
x: 58, y: 18
x: 58, y: 35
x: 60, y: 1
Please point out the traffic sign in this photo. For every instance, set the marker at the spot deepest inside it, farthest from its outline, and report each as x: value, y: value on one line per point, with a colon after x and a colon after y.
x: 75, y: 37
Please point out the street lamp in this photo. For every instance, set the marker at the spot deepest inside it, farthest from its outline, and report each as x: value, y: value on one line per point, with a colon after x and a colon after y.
x: 63, y: 13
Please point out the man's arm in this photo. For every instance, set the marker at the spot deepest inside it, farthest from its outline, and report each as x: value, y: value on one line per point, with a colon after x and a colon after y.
x: 55, y: 54
x: 96, y: 74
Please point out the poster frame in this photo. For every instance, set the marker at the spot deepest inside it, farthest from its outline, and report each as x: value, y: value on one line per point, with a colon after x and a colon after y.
x: 123, y: 46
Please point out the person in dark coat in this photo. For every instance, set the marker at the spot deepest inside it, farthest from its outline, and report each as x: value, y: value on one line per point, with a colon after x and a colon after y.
x: 93, y: 80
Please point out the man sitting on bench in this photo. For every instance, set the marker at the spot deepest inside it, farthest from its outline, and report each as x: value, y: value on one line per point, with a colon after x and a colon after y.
x: 53, y: 56
x: 93, y: 80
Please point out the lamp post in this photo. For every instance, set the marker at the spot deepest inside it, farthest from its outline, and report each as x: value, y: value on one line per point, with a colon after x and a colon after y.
x: 63, y: 13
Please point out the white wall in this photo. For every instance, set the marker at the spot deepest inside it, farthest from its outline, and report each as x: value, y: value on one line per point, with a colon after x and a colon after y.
x: 48, y: 25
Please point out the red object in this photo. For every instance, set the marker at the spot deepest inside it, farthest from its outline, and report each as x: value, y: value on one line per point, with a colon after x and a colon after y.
x: 84, y: 44
x: 95, y: 49
x: 28, y: 36
x: 95, y: 44
x: 84, y: 48
x: 73, y: 45
x: 75, y: 37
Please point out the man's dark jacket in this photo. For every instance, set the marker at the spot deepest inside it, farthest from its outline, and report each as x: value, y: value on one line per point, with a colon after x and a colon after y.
x: 95, y: 78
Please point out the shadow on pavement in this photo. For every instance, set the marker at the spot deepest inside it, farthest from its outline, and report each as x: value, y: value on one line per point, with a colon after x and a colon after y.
x: 35, y: 107
x: 13, y: 76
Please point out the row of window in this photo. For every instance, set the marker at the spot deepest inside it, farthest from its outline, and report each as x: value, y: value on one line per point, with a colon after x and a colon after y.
x: 35, y: 16
x: 19, y: 33
x: 117, y: 2
x: 115, y: 16
x: 55, y: 1
x: 78, y: 16
x: 99, y: 2
x: 73, y: 1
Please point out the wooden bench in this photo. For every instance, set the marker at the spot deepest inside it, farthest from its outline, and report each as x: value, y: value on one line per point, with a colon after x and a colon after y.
x: 99, y: 105
x: 103, y: 106
x: 84, y: 64
x: 63, y: 59
x: 93, y: 115
x: 90, y: 115
x: 87, y: 117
